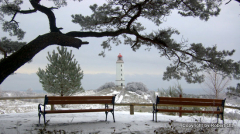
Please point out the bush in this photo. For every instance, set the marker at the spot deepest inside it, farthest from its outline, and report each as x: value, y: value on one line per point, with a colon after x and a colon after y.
x: 232, y: 91
x: 136, y: 87
x: 175, y: 91
x: 106, y: 85
x: 172, y: 91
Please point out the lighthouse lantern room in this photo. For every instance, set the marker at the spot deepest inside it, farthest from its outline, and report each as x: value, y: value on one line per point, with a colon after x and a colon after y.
x: 120, y: 81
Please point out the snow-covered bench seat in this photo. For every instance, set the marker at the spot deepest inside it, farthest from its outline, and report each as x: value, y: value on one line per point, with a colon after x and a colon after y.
x: 217, y: 104
x: 51, y: 100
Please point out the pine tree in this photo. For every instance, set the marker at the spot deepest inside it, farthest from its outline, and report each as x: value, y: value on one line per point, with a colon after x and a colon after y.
x: 63, y: 75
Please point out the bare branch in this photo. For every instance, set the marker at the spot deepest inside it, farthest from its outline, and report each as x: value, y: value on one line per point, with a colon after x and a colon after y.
x: 215, y: 83
x: 228, y: 2
x: 231, y: 0
x: 135, y: 43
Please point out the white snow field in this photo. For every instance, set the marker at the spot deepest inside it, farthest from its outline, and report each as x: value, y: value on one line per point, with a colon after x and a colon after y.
x: 21, y: 117
x: 139, y: 123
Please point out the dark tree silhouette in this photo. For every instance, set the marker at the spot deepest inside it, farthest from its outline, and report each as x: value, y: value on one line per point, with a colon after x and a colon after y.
x: 117, y: 19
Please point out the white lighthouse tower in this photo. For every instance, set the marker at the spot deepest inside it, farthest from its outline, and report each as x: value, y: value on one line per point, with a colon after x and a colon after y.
x: 120, y: 81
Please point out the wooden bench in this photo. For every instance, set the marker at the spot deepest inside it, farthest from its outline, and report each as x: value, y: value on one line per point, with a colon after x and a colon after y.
x: 51, y: 100
x: 217, y: 104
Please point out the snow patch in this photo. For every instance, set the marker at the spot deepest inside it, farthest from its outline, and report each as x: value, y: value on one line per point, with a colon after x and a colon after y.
x: 119, y: 99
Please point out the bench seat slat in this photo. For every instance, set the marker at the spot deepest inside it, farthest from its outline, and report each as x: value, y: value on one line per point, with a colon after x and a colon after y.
x: 190, y: 103
x: 77, y: 110
x: 81, y: 102
x: 189, y: 111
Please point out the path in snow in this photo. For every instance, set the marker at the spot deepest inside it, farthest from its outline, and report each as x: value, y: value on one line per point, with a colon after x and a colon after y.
x: 120, y: 96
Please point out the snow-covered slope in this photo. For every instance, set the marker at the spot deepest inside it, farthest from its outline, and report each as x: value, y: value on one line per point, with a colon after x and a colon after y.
x: 122, y: 96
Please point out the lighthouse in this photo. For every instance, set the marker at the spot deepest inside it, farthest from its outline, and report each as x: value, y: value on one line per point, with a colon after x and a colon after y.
x: 120, y: 81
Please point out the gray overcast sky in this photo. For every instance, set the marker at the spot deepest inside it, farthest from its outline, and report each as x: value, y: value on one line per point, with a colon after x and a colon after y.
x: 141, y: 66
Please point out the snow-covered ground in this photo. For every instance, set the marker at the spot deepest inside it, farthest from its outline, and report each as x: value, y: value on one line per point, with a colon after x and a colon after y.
x: 21, y: 117
x: 25, y: 123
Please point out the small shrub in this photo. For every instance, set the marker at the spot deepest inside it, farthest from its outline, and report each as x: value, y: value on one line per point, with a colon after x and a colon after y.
x: 106, y: 85
x: 137, y: 87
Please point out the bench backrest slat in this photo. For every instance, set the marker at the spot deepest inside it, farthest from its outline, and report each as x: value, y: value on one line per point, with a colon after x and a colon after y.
x: 190, y: 111
x: 79, y: 99
x: 81, y: 102
x: 189, y: 101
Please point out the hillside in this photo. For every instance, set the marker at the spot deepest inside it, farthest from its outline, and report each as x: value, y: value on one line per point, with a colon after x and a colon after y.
x: 122, y: 96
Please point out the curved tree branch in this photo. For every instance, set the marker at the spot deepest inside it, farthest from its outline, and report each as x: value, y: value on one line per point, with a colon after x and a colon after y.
x: 27, y: 52
x: 135, y: 16
x: 20, y: 11
x: 231, y: 0
x: 49, y: 13
x: 115, y: 33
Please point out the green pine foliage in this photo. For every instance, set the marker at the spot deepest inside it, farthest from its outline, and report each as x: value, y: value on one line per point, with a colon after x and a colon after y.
x: 7, y: 46
x: 63, y: 75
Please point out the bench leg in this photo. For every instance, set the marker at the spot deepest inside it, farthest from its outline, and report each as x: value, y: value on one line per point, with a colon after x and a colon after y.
x: 223, y: 118
x: 153, y: 115
x: 156, y: 116
x: 113, y: 116
x: 44, y: 119
x: 39, y: 113
x: 153, y: 111
x: 106, y: 115
x: 39, y: 117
